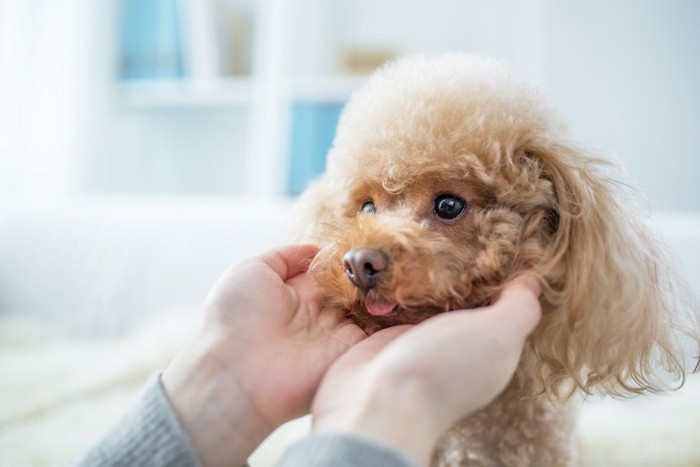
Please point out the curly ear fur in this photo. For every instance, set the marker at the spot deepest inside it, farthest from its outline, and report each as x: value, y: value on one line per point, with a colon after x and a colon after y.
x: 612, y: 301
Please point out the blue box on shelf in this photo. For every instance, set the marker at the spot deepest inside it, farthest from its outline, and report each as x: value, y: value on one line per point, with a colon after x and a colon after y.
x: 151, y: 39
x: 313, y: 129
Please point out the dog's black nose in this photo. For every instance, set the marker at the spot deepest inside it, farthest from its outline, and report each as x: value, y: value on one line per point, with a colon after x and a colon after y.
x: 364, y: 267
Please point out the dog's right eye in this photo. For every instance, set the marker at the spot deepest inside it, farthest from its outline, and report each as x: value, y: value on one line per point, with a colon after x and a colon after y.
x: 448, y: 207
x: 369, y: 208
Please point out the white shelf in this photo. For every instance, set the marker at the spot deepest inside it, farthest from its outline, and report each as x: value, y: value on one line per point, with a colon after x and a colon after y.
x: 185, y: 94
x: 326, y: 88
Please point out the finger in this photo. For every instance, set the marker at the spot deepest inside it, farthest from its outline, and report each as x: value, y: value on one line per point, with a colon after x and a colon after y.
x: 289, y: 261
x: 523, y: 279
x: 518, y: 307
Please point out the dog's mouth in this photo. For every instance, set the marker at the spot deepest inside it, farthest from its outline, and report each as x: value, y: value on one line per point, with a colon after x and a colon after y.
x: 380, y: 308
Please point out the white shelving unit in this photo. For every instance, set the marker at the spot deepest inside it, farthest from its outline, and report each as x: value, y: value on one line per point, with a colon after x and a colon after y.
x: 299, y: 53
x: 248, y: 116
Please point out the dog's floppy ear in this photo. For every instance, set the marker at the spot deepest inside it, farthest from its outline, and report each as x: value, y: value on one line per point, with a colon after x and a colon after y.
x: 612, y: 301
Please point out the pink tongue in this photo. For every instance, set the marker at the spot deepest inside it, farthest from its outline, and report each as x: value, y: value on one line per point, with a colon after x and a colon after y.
x: 380, y: 308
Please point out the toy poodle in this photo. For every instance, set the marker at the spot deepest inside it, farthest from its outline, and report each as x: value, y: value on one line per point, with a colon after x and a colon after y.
x: 448, y: 177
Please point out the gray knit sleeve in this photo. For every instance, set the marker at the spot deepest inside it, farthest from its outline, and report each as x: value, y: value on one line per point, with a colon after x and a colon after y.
x: 148, y: 435
x: 341, y: 450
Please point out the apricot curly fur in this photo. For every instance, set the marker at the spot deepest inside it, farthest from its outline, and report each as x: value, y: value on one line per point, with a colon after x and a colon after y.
x: 615, y: 313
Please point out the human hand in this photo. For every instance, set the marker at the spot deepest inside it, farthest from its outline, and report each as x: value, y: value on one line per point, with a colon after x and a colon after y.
x: 406, y: 385
x: 259, y: 357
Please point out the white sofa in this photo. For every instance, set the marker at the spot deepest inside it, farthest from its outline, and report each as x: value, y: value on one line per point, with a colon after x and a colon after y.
x: 95, y: 295
x: 100, y: 265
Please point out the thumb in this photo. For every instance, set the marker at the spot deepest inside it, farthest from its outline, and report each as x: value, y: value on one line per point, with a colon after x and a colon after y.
x: 517, y: 309
x: 290, y: 260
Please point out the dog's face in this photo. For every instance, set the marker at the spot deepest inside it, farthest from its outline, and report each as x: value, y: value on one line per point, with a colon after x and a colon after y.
x: 449, y: 176
x: 438, y: 243
x: 428, y: 214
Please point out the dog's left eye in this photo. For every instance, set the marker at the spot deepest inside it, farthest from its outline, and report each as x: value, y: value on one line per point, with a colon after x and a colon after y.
x: 449, y: 207
x: 369, y: 207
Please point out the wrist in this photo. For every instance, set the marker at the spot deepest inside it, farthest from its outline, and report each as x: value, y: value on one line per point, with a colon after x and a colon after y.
x: 395, y: 415
x: 213, y: 408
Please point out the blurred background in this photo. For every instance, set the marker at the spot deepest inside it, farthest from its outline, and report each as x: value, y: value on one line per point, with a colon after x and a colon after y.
x: 241, y: 97
x: 156, y: 110
x: 147, y: 144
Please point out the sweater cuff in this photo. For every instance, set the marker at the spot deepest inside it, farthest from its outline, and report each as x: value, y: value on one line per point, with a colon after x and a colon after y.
x: 149, y: 434
x: 324, y: 449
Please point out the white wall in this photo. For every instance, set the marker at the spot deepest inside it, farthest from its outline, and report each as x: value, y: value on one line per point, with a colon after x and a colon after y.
x: 624, y: 74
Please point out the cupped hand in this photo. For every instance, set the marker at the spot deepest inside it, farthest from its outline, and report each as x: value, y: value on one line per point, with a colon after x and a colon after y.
x: 267, y: 314
x: 406, y: 385
x: 259, y: 357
